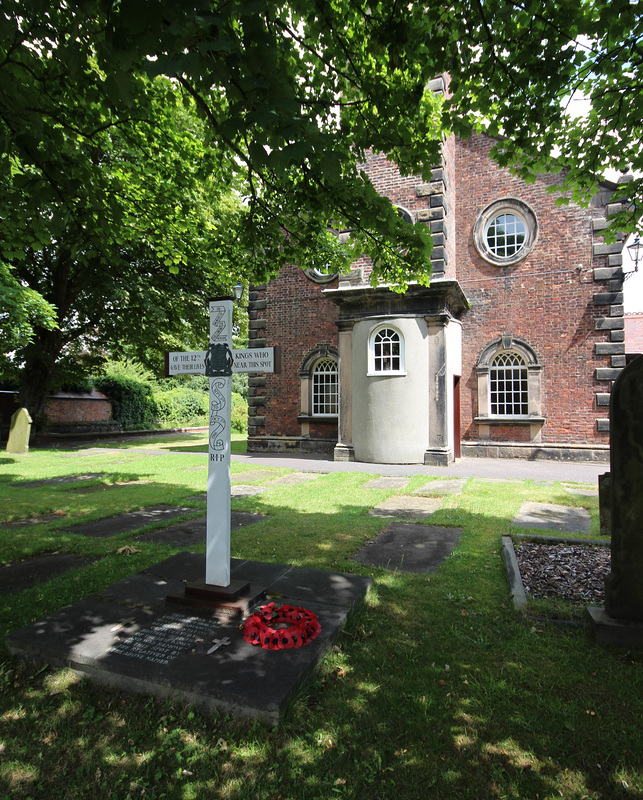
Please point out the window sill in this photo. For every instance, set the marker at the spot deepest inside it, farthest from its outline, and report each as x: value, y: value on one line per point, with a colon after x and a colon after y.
x: 318, y: 418
x: 510, y: 420
x: 386, y: 374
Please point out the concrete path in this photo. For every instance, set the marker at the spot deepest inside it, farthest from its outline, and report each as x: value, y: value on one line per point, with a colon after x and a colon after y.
x: 490, y: 468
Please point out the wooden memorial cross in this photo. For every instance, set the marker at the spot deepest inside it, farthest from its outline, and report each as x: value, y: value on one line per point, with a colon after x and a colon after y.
x: 219, y: 362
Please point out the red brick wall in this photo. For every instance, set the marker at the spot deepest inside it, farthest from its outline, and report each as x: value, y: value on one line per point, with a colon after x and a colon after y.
x: 300, y: 319
x: 62, y: 409
x: 544, y: 299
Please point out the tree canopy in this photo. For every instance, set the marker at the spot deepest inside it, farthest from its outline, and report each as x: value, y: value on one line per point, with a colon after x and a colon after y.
x: 103, y: 164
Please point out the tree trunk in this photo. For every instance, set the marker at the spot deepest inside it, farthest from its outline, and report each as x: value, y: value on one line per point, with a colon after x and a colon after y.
x: 35, y: 377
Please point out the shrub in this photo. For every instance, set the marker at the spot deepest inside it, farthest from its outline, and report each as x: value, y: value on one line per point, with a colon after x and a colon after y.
x: 132, y: 402
x: 182, y: 406
x: 239, y: 414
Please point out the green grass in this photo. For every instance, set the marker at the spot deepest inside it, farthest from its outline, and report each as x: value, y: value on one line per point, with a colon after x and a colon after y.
x: 435, y: 689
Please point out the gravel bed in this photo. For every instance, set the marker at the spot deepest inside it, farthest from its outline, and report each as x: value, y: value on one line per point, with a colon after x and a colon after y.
x: 572, y: 572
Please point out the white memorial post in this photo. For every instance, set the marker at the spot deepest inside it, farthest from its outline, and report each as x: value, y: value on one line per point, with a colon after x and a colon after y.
x: 219, y: 362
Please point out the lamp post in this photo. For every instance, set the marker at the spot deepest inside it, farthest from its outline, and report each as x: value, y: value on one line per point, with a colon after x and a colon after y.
x: 636, y: 253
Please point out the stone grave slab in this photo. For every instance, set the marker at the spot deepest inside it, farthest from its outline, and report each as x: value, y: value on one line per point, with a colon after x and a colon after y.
x: 236, y: 490
x: 410, y: 547
x: 243, y: 490
x: 251, y: 475
x: 125, y: 523
x: 440, y: 488
x: 61, y: 480
x: 580, y: 491
x: 28, y: 521
x: 192, y: 532
x: 126, y: 637
x: 294, y: 479
x: 406, y: 507
x: 386, y: 483
x: 547, y: 515
x: 25, y: 574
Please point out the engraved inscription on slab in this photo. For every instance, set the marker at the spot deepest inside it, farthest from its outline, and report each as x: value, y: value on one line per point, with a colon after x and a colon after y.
x: 167, y: 638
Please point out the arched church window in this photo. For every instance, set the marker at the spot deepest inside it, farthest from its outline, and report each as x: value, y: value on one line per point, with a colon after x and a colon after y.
x: 509, y: 382
x: 386, y: 351
x: 319, y: 376
x: 324, y: 388
x: 508, y: 386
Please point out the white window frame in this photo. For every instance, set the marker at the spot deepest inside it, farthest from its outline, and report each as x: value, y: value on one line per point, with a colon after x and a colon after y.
x: 319, y: 396
x: 508, y: 386
x: 513, y: 226
x: 374, y: 358
x: 509, y: 345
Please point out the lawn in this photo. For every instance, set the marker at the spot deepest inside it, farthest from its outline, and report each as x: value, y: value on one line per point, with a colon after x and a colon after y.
x: 435, y: 689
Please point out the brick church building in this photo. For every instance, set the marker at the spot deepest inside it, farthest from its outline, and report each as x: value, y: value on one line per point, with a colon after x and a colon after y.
x: 511, y: 351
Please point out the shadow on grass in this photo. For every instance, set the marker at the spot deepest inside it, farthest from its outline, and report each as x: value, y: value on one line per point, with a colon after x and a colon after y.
x: 436, y: 690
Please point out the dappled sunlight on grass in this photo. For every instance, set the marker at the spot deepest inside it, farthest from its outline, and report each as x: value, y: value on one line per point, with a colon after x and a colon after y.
x: 435, y: 689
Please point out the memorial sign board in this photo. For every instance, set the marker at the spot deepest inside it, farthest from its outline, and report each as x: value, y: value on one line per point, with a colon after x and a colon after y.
x: 218, y: 362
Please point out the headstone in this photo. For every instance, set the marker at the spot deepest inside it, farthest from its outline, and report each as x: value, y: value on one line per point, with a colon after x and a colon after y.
x: 604, y: 500
x: 624, y: 584
x: 19, y: 432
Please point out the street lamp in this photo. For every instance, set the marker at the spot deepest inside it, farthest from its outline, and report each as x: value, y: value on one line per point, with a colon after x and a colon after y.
x: 636, y: 252
x: 238, y: 291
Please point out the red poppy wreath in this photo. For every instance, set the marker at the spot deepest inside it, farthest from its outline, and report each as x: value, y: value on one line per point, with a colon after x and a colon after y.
x: 300, y: 626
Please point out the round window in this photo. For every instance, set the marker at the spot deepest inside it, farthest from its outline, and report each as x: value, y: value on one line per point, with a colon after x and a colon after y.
x: 505, y: 232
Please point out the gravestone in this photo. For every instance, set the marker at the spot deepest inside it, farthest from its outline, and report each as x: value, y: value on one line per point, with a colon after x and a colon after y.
x: 624, y: 585
x: 19, y: 432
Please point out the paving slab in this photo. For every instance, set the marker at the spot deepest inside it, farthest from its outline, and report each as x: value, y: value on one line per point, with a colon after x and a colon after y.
x: 386, y: 483
x: 294, y: 478
x: 407, y: 507
x: 410, y: 547
x: 125, y: 523
x: 25, y: 574
x: 193, y: 532
x: 546, y: 515
x: 61, y: 480
x: 127, y: 637
x: 440, y: 488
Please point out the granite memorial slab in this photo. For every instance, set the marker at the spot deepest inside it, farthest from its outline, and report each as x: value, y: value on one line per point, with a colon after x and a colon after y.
x: 127, y: 637
x: 410, y: 547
